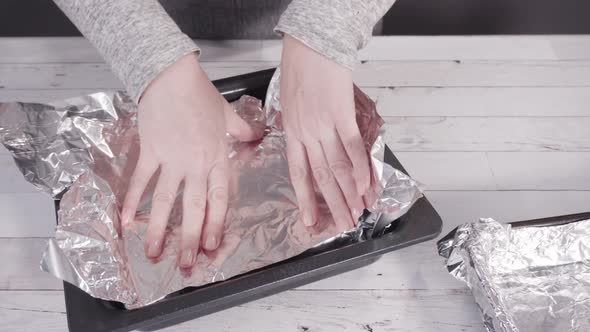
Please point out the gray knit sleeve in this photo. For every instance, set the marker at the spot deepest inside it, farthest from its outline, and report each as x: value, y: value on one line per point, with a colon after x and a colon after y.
x: 336, y: 29
x: 136, y: 38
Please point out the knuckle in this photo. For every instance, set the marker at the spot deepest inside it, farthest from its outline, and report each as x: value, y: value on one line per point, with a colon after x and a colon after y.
x: 197, y: 201
x: 322, y: 175
x: 218, y: 194
x: 137, y: 182
x: 354, y: 144
x: 164, y: 197
x: 299, y: 91
x: 139, y: 177
x: 341, y: 167
x: 297, y: 172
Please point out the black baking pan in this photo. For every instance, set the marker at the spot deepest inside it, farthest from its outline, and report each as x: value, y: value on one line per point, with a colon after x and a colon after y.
x: 421, y: 223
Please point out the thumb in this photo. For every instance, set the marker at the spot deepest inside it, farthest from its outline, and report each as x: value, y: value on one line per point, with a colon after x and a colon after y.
x: 246, y: 129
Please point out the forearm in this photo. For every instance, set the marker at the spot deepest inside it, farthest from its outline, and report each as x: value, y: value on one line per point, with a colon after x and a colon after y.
x: 335, y: 28
x: 136, y: 38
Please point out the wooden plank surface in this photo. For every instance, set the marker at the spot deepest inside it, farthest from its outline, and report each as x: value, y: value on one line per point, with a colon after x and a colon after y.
x: 26, y: 215
x: 480, y: 102
x: 97, y: 76
x: 501, y: 132
x: 78, y: 50
x: 22, y: 271
x: 473, y: 73
x: 499, y: 170
x: 488, y: 133
x: 370, y: 74
x: 298, y: 311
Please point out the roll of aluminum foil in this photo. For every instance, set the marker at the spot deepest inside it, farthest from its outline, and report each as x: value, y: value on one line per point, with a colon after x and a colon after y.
x: 525, y: 279
x: 83, y: 151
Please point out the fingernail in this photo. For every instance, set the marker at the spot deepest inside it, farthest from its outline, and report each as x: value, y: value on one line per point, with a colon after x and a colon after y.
x: 211, y: 243
x: 154, y: 249
x: 307, y: 220
x: 187, y: 257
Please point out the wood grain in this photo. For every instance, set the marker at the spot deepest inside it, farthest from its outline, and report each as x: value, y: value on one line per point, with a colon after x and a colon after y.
x: 481, y: 102
x: 11, y: 178
x: 473, y: 73
x: 26, y: 215
x: 378, y: 311
x: 79, y: 50
x: 21, y: 261
x: 494, y: 126
x: 499, y: 170
x: 97, y: 76
x: 370, y: 74
x: 488, y: 133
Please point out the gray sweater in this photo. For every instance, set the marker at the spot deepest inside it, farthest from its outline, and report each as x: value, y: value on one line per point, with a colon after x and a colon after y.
x: 138, y: 39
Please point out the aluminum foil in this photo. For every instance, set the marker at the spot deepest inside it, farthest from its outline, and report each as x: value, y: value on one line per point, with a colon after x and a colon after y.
x: 83, y: 151
x: 525, y: 279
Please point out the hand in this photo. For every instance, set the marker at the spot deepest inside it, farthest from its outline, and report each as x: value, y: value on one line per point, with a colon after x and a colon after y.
x: 182, y: 123
x: 323, y: 138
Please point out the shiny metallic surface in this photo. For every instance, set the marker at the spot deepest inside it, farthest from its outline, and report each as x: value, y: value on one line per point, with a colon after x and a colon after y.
x: 524, y: 279
x: 83, y: 150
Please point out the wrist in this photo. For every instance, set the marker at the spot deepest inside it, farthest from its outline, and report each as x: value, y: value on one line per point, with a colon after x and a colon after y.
x: 184, y: 74
x: 297, y: 56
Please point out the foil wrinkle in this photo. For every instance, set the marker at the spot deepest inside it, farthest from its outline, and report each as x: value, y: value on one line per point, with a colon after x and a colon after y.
x: 524, y: 279
x: 83, y: 151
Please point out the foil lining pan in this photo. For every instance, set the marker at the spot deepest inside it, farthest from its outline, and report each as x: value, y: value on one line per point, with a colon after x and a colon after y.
x: 83, y: 151
x: 525, y: 279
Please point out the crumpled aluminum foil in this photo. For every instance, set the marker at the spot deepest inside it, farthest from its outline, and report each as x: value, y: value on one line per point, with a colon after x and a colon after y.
x: 83, y: 150
x: 525, y: 279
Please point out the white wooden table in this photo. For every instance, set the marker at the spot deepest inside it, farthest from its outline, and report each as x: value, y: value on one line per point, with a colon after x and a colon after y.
x: 494, y: 126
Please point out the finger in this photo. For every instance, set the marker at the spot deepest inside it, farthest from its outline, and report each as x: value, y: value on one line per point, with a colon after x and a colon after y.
x: 329, y: 187
x: 162, y: 201
x: 217, y: 197
x: 355, y: 149
x: 342, y: 169
x: 194, y: 203
x: 240, y: 128
x: 139, y: 180
x: 300, y: 175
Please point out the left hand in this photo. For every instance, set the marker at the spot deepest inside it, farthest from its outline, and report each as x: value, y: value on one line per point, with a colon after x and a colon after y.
x: 323, y: 138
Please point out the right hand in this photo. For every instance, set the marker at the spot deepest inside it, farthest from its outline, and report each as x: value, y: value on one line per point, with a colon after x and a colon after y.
x: 182, y: 122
